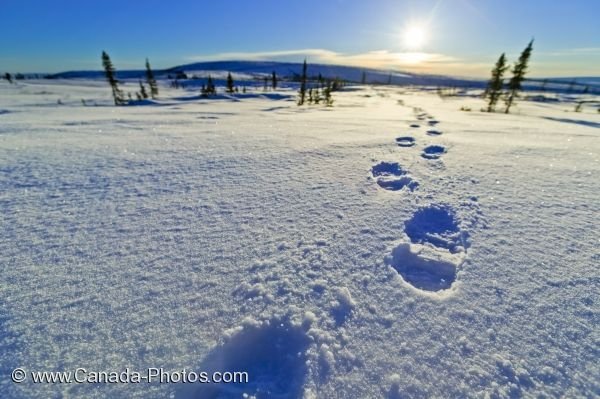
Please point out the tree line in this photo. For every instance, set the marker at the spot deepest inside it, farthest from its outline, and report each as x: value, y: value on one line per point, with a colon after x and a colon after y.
x: 321, y: 92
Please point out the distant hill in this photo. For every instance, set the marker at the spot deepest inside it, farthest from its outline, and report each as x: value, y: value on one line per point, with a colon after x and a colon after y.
x: 257, y: 70
x: 286, y: 70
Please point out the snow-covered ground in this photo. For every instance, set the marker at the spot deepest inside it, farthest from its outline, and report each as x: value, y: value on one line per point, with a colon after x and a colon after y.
x: 391, y: 246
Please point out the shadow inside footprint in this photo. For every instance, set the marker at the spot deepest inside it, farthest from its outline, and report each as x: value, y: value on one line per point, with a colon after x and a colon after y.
x: 384, y: 168
x: 415, y: 125
x: 396, y: 184
x: 433, y: 151
x: 428, y: 271
x: 272, y: 353
x: 437, y: 225
x: 405, y: 141
x: 433, y: 133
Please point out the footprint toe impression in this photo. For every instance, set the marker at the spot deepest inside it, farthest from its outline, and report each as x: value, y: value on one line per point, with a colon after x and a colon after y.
x: 390, y: 176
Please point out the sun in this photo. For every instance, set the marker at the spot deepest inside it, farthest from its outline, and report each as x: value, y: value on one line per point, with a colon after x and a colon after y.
x: 415, y: 37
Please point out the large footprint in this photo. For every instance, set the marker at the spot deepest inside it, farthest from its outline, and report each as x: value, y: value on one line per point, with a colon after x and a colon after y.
x: 436, y: 250
x: 390, y: 176
x: 433, y: 151
x: 274, y: 354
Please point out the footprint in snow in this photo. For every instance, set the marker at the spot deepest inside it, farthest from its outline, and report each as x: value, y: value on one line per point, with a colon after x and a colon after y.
x: 390, y: 176
x: 432, y: 122
x: 415, y: 125
x: 436, y: 250
x: 405, y: 141
x: 433, y: 151
x: 436, y: 225
x: 433, y: 133
x: 274, y: 354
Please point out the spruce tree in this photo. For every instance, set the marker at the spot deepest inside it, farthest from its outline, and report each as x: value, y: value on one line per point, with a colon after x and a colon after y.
x: 519, y: 70
x: 210, y: 86
x: 303, y: 84
x: 8, y: 77
x: 327, y: 95
x: 151, y: 81
x: 274, y: 80
x: 229, y: 83
x: 110, y: 73
x: 494, y: 87
x: 363, y: 78
x: 143, y: 92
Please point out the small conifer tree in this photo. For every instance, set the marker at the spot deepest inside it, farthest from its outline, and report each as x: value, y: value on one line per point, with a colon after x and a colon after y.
x: 519, y: 70
x: 110, y: 73
x: 151, y: 81
x: 303, y: 78
x: 229, y: 83
x: 143, y: 92
x: 274, y: 80
x: 210, y: 86
x: 494, y: 87
x: 327, y: 95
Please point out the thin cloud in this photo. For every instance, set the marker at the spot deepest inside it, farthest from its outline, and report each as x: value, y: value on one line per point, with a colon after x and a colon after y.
x: 580, y: 51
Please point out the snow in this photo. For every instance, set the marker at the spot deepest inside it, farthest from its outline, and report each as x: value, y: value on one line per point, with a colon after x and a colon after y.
x: 249, y: 234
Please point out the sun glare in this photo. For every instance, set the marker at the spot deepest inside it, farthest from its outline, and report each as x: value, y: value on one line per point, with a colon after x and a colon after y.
x: 415, y: 37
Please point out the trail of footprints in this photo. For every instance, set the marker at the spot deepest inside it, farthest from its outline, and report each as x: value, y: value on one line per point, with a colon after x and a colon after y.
x: 276, y: 352
x: 434, y: 246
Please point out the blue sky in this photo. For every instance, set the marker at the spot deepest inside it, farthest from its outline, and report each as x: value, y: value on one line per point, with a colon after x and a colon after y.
x: 461, y: 37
